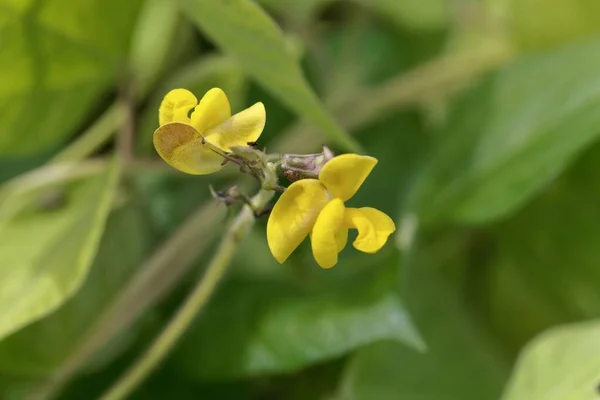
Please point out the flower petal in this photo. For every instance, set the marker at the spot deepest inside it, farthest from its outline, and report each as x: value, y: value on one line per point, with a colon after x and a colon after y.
x: 343, y: 175
x: 245, y: 126
x: 324, y: 234
x: 341, y: 237
x: 175, y: 106
x: 180, y: 145
x: 294, y: 215
x: 373, y: 226
x: 213, y: 109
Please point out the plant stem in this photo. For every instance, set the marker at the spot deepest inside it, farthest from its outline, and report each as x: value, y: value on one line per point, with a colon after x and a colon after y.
x: 96, y: 135
x: 193, y: 304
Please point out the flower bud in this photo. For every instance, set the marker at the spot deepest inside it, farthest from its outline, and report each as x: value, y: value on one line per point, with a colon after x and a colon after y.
x: 302, y: 166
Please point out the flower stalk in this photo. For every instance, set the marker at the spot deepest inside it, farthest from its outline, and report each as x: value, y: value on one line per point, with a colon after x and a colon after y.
x: 197, y: 299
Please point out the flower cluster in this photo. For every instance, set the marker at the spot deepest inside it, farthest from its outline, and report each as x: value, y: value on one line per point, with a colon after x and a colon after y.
x: 199, y: 142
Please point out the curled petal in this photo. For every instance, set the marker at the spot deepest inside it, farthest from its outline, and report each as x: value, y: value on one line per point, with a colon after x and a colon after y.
x: 324, y: 236
x: 294, y: 215
x: 373, y: 226
x: 213, y: 110
x: 341, y: 238
x: 343, y: 175
x: 182, y: 147
x: 175, y: 106
x: 245, y: 126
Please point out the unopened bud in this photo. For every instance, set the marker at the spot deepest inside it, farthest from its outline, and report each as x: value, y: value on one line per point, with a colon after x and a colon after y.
x: 301, y: 166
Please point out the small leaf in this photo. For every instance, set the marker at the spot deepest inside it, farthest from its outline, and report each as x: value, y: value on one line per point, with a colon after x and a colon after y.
x: 46, y: 254
x: 241, y: 28
x: 257, y: 327
x: 513, y: 134
x: 57, y: 57
x: 562, y: 363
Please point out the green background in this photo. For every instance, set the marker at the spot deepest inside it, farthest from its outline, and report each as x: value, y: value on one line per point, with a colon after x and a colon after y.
x: 484, y: 116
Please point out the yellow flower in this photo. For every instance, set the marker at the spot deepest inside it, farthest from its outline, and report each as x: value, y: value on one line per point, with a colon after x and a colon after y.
x: 191, y: 142
x: 315, y: 207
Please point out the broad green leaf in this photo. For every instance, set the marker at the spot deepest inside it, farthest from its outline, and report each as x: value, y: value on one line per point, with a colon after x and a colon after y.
x: 562, y: 363
x: 198, y: 77
x: 262, y: 326
x: 461, y: 362
x: 415, y: 14
x: 545, y: 270
x: 512, y: 134
x: 57, y: 57
x: 42, y: 346
x: 46, y: 253
x: 242, y: 29
x: 545, y: 23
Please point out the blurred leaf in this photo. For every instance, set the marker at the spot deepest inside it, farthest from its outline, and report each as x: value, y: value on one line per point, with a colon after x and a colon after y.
x: 300, y: 11
x: 152, y: 41
x: 46, y: 254
x: 12, y: 388
x: 259, y: 327
x: 415, y: 14
x: 42, y: 346
x: 513, y: 134
x: 154, y: 279
x: 241, y: 28
x: 57, y: 57
x: 366, y: 53
x: 461, y: 362
x: 563, y: 363
x: 528, y: 280
x: 198, y: 76
x: 542, y: 23
x: 12, y: 166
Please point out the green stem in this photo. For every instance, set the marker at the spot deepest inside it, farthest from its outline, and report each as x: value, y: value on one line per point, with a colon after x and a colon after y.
x: 96, y: 135
x: 193, y: 304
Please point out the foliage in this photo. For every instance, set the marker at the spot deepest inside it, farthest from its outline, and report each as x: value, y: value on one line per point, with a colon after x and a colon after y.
x: 483, y: 115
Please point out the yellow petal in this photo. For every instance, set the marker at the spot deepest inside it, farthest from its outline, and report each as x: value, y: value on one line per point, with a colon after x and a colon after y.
x: 341, y: 237
x: 294, y: 215
x: 213, y: 109
x: 373, y: 226
x: 180, y: 145
x: 344, y: 174
x: 324, y: 234
x: 245, y: 126
x: 175, y: 106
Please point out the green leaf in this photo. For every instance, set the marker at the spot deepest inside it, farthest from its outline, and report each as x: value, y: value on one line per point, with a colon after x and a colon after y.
x: 46, y: 254
x: 57, y: 57
x: 241, y: 28
x: 415, y: 14
x: 152, y: 41
x: 42, y: 346
x: 529, y: 288
x: 461, y: 362
x: 263, y: 326
x: 513, y: 134
x: 563, y: 363
x: 302, y: 12
x: 539, y: 24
